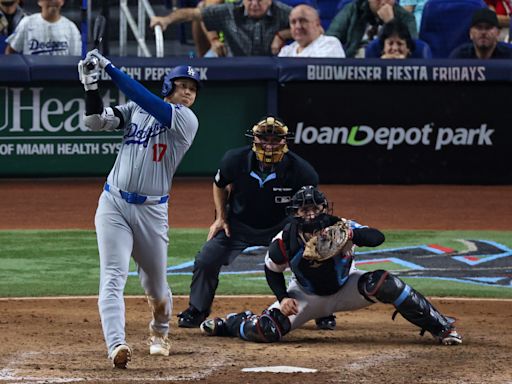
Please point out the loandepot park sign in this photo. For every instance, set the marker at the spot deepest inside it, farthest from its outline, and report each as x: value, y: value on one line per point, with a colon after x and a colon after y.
x: 390, y: 137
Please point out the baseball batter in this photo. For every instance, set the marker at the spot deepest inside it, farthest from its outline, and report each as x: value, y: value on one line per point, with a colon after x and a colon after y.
x: 319, y: 249
x: 132, y: 215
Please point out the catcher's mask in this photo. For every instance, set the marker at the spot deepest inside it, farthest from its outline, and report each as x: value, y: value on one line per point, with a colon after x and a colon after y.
x: 269, y: 140
x: 310, y: 207
x: 179, y: 72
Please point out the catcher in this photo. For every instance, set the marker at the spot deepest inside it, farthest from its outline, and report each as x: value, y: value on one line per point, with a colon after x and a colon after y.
x: 319, y: 249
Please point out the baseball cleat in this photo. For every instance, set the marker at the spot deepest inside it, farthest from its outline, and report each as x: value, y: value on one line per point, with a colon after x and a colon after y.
x: 450, y: 337
x: 159, y: 346
x: 191, y: 318
x: 327, y: 323
x: 212, y: 327
x: 120, y: 356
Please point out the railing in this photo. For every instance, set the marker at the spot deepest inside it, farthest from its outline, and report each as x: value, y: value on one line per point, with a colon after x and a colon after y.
x: 138, y: 29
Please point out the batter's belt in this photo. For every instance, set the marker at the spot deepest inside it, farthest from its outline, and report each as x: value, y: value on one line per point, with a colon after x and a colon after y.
x: 135, y: 198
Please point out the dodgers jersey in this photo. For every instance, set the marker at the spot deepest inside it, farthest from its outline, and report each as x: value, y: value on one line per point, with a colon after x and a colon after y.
x: 36, y: 36
x: 150, y: 151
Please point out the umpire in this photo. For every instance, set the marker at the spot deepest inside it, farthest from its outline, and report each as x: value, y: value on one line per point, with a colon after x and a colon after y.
x: 251, y: 190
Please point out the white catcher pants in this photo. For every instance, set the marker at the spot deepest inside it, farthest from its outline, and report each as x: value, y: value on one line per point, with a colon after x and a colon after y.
x: 312, y: 306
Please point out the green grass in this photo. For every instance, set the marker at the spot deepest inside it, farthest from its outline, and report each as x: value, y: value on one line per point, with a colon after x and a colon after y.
x: 51, y: 262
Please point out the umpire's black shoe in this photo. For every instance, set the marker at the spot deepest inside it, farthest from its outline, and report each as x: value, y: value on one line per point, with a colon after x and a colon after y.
x: 327, y: 323
x: 191, y: 318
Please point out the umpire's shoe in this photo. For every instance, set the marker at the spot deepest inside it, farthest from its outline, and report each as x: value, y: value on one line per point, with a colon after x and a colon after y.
x: 191, y: 318
x: 120, y: 356
x: 327, y: 323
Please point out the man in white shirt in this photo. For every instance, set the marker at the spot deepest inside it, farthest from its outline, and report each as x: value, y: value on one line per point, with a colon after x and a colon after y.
x: 308, y: 36
x: 46, y: 33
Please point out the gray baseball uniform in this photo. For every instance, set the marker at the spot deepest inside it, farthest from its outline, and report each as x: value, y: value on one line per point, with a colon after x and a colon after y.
x: 132, y: 215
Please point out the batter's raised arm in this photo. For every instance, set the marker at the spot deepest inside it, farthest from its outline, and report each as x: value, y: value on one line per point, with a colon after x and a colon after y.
x: 178, y: 16
x: 134, y: 90
x: 96, y: 118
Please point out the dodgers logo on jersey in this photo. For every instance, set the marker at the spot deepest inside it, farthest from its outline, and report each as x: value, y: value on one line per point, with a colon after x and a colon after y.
x: 136, y: 135
x: 38, y: 47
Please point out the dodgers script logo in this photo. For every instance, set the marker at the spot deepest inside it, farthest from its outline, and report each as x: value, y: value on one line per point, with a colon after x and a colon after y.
x: 136, y: 135
x: 38, y: 47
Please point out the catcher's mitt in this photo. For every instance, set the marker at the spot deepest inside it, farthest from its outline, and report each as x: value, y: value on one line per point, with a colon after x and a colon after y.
x: 329, y: 242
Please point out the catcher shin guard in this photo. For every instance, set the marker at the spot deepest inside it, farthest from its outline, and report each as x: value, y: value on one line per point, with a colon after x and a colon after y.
x: 412, y: 305
x: 268, y: 327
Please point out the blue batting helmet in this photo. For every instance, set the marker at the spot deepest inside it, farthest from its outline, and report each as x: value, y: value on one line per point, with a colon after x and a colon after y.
x: 179, y: 72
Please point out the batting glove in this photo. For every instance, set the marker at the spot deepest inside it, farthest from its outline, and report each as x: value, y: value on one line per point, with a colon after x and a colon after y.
x: 102, y: 60
x: 89, y: 73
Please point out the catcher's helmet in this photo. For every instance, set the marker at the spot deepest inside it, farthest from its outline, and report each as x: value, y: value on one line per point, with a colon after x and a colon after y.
x: 267, y: 129
x: 310, y: 207
x: 307, y: 196
x: 179, y: 72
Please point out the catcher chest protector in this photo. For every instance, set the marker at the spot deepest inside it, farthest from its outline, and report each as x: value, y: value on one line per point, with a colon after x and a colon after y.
x: 180, y: 72
x: 412, y: 305
x: 270, y: 127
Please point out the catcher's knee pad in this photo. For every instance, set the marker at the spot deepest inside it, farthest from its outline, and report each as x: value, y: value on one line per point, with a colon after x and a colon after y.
x: 384, y: 286
x: 268, y: 327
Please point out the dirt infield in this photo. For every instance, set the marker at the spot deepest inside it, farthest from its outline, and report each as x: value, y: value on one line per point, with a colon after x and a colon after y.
x: 59, y: 340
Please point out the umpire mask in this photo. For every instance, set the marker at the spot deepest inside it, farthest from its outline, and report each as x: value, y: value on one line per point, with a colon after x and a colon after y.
x: 269, y: 140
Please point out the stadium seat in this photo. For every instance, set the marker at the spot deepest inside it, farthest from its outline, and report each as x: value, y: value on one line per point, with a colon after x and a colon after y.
x: 421, y: 50
x: 293, y: 3
x: 327, y: 10
x: 2, y: 44
x: 445, y: 24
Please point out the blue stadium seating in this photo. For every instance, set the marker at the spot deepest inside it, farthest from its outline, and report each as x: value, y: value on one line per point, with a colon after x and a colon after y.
x: 327, y: 10
x: 293, y: 3
x: 2, y: 44
x: 445, y: 24
x: 421, y: 51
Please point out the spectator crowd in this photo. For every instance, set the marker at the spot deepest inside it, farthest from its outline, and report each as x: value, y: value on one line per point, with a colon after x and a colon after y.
x: 388, y: 29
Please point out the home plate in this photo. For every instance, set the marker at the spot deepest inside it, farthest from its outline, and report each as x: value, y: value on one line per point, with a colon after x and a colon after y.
x: 279, y: 369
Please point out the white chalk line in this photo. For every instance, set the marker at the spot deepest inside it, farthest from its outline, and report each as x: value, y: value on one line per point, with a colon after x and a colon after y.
x: 374, y: 360
x: 14, y: 375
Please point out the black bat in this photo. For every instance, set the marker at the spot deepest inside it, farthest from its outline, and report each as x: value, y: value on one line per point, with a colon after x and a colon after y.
x: 97, y: 34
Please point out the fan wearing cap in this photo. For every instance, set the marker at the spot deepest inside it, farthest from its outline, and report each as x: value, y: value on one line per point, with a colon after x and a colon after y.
x: 484, y: 33
x: 251, y: 190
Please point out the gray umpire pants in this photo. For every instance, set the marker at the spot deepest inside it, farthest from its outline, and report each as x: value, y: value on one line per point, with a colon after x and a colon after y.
x: 220, y: 250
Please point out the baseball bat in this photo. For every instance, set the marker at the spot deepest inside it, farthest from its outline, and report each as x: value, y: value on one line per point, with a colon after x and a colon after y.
x: 97, y: 34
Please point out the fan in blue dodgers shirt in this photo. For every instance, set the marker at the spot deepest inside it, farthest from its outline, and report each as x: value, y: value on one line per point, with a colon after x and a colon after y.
x: 132, y: 214
x: 46, y: 33
x: 333, y: 284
